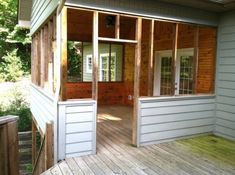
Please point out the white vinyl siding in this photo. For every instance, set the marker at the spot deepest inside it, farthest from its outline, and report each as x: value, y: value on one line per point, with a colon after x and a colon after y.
x: 225, y: 90
x: 169, y: 118
x: 77, y: 128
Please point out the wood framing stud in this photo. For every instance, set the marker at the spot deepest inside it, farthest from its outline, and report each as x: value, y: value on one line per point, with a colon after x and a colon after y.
x: 195, y: 59
x: 150, y: 62
x: 95, y: 56
x: 63, y: 54
x: 136, y: 79
x: 34, y: 137
x: 117, y: 27
x: 174, y: 57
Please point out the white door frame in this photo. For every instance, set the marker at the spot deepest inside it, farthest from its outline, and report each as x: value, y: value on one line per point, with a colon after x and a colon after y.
x: 157, y: 68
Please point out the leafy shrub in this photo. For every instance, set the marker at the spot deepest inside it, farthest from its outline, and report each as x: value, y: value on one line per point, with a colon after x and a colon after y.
x: 11, y: 67
x: 19, y: 107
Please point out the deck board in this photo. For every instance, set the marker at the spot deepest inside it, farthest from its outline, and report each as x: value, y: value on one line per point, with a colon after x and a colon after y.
x: 204, y: 155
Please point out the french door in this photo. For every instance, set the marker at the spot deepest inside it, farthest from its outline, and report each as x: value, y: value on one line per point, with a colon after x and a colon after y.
x: 183, y: 74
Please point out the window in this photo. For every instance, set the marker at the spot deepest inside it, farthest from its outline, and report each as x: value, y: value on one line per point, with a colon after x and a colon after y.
x: 89, y: 64
x: 106, y: 65
x: 183, y: 76
x: 80, y: 62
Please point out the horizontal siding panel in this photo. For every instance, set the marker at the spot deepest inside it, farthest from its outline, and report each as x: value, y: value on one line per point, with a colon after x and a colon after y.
x: 78, y: 127
x: 226, y: 77
x: 228, y: 37
x: 79, y: 117
x: 171, y: 102
x: 160, y: 121
x: 226, y: 131
x: 228, y: 61
x: 177, y: 109
x: 225, y: 115
x: 175, y: 133
x: 42, y: 107
x: 79, y: 109
x: 176, y: 117
x: 226, y: 99
x: 226, y: 84
x: 225, y: 107
x: 228, y: 29
x: 227, y: 53
x: 226, y: 92
x: 78, y: 154
x: 176, y: 125
x: 225, y: 123
x: 78, y: 137
x: 78, y: 147
x: 227, y: 68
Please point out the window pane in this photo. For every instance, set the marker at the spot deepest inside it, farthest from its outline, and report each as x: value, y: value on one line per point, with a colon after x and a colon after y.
x: 74, y: 61
x: 186, y: 75
x: 165, y: 88
x: 116, y: 62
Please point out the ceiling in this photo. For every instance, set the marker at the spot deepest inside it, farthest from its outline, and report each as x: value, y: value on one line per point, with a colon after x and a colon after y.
x: 209, y: 5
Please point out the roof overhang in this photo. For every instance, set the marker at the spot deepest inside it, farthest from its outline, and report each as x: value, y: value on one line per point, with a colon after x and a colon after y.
x: 208, y: 5
x: 24, y: 13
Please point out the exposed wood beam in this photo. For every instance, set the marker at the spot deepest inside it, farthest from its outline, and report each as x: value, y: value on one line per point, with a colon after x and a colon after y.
x: 195, y: 59
x: 63, y: 54
x: 42, y: 57
x: 174, y: 58
x: 117, y: 27
x: 138, y: 35
x: 95, y: 56
x: 150, y: 62
x: 117, y: 40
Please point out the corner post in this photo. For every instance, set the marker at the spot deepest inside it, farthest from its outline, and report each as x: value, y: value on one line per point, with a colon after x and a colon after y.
x: 138, y: 36
x: 95, y: 56
x: 63, y: 54
x: 174, y: 59
x: 150, y: 62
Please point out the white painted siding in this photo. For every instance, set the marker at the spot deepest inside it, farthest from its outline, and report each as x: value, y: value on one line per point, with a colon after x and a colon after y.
x: 42, y: 107
x: 41, y: 10
x: 77, y: 128
x: 225, y: 91
x: 150, y: 8
x: 168, y: 118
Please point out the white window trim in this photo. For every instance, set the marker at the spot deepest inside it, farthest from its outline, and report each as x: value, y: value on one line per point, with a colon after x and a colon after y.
x: 88, y: 70
x: 100, y: 64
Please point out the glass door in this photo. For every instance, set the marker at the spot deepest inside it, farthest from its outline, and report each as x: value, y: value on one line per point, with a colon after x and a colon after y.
x: 183, y: 75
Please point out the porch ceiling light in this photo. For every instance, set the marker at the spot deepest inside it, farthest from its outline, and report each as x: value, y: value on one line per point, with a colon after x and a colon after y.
x: 110, y: 21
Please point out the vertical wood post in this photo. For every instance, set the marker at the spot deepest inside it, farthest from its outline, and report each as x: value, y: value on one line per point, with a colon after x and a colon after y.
x: 38, y: 60
x: 63, y: 54
x: 50, y: 55
x: 49, y: 146
x: 117, y: 27
x: 42, y: 58
x: 34, y: 142
x: 195, y: 59
x: 174, y: 58
x: 95, y: 57
x: 150, y: 62
x: 138, y: 36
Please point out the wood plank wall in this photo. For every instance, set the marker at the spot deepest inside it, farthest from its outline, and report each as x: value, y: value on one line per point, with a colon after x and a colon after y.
x: 42, y: 58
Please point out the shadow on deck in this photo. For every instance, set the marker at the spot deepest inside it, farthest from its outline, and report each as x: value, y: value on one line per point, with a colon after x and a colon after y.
x: 115, y: 155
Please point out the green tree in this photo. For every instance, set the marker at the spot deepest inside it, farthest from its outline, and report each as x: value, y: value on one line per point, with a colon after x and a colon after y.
x: 12, y: 37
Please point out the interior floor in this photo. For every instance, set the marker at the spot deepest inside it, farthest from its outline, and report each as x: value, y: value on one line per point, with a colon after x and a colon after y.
x: 114, y: 121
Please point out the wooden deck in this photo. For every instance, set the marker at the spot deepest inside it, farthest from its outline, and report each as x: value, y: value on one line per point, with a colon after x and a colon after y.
x: 115, y: 155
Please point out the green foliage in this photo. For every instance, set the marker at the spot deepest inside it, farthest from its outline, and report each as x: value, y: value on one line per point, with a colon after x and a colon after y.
x: 11, y: 67
x: 74, y: 61
x: 19, y: 107
x: 12, y: 37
